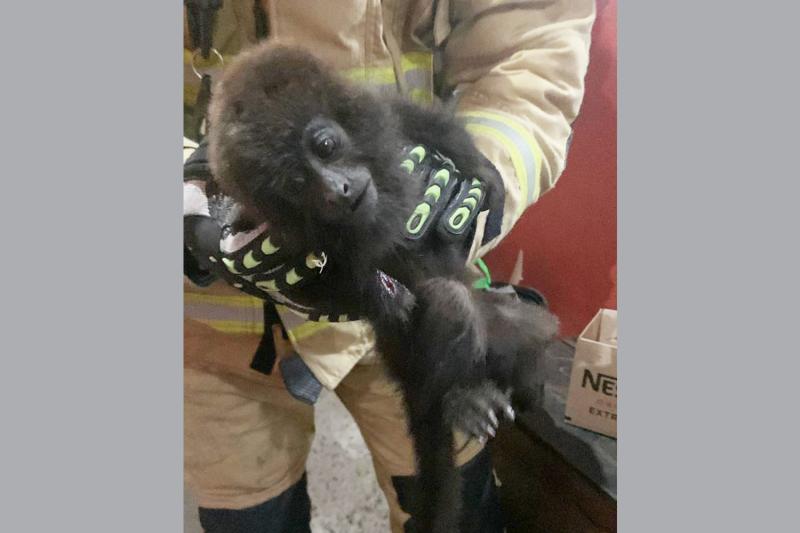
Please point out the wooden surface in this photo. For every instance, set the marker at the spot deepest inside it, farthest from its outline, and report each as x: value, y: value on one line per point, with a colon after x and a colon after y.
x: 542, y: 493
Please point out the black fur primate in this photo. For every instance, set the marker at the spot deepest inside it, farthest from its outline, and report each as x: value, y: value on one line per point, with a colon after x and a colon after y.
x: 318, y: 159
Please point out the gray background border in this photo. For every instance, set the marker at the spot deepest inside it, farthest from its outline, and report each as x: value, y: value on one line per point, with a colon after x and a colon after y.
x: 708, y: 301
x: 90, y: 384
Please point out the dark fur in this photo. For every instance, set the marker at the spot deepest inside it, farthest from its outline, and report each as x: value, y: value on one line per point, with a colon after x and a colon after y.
x: 453, y: 351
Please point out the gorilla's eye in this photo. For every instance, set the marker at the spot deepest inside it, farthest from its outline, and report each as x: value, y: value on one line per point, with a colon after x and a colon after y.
x: 324, y: 140
x: 324, y: 146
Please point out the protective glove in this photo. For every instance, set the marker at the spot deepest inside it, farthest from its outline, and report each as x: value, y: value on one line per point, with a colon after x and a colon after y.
x: 451, y: 201
x: 200, y: 230
x: 251, y: 261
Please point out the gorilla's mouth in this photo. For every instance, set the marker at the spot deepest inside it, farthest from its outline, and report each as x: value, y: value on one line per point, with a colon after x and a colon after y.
x: 365, y: 199
x: 355, y: 205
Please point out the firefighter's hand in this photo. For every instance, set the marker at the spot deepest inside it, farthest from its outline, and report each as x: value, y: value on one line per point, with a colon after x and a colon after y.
x: 451, y: 201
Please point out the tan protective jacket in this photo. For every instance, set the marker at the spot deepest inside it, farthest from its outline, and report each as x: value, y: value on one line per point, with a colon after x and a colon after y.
x: 517, y: 71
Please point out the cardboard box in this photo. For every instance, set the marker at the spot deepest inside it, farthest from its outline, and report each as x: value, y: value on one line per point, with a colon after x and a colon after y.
x: 592, y: 395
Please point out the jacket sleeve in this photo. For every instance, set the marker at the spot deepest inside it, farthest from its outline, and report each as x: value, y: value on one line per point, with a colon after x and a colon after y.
x: 517, y: 69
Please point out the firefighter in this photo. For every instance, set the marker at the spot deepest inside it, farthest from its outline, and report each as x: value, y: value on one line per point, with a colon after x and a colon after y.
x: 253, y: 369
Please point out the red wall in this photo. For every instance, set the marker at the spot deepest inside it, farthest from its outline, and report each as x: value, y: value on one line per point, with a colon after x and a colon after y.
x: 569, y: 238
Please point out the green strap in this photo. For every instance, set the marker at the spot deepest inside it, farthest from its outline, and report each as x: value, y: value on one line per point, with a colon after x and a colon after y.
x: 486, y: 281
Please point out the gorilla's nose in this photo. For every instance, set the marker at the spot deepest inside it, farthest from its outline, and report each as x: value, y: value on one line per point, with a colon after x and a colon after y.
x: 345, y: 190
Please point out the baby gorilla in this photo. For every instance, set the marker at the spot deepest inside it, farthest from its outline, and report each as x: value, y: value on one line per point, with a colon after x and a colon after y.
x: 319, y: 160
